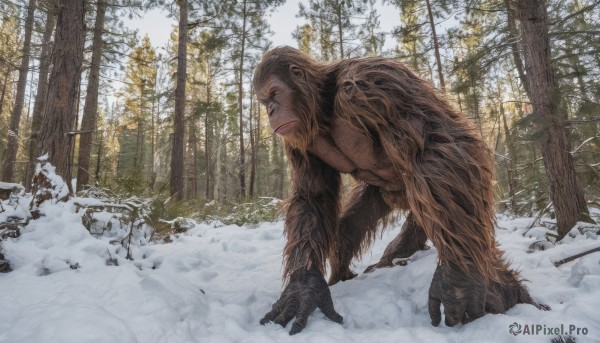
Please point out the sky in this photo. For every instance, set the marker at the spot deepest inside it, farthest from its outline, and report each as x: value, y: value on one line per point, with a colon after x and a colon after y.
x: 283, y: 22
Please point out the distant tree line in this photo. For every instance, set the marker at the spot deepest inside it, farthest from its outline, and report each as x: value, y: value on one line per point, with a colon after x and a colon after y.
x: 111, y: 110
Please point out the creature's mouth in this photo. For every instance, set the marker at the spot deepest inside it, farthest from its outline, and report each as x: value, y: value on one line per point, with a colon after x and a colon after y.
x: 285, y: 128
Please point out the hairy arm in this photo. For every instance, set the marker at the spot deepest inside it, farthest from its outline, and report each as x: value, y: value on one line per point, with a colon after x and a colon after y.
x: 312, y: 213
x: 310, y: 227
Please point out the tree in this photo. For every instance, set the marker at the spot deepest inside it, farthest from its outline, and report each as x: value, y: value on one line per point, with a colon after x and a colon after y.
x: 56, y: 138
x: 42, y: 90
x: 247, y: 27
x: 176, y: 180
x: 15, y: 118
x: 411, y: 47
x: 137, y: 97
x: 10, y: 45
x: 205, y: 66
x: 334, y: 27
x: 369, y: 31
x: 412, y: 10
x: 565, y: 192
x: 90, y: 110
x: 436, y: 46
x: 305, y: 35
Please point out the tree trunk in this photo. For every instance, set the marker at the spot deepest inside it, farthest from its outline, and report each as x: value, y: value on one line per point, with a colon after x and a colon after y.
x: 323, y: 40
x: 138, y: 162
x: 242, y: 172
x: 257, y: 138
x: 99, y: 155
x: 153, y: 143
x: 90, y: 111
x: 15, y: 117
x: 252, y: 147
x: 565, y: 192
x: 436, y: 47
x: 340, y: 28
x: 40, y: 96
x: 208, y: 194
x: 4, y: 86
x: 178, y: 125
x: 55, y: 139
x: 513, y: 36
x: 193, y: 164
x: 512, y: 158
x: 218, y: 163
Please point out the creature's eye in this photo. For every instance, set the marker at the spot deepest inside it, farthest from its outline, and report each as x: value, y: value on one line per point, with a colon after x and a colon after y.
x: 271, y: 108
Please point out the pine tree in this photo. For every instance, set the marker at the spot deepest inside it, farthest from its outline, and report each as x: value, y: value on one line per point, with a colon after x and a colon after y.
x: 56, y: 139
x: 565, y: 192
x: 90, y: 109
x: 15, y: 117
x: 176, y: 178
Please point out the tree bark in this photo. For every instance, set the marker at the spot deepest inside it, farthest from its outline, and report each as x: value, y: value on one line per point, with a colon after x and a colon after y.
x: 15, y: 117
x: 340, y: 28
x: 153, y: 141
x: 42, y: 89
x: 252, y: 147
x: 4, y: 86
x: 178, y: 125
x: 90, y: 111
x: 192, y: 189
x: 208, y: 193
x: 99, y: 156
x: 138, y: 161
x: 565, y: 193
x: 512, y: 157
x: 436, y: 47
x: 55, y: 139
x: 242, y: 172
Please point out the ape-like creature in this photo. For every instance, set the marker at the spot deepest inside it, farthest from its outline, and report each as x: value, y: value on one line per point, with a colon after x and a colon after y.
x: 408, y: 149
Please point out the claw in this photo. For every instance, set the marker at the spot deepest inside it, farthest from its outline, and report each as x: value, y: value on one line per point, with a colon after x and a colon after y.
x: 306, y: 291
x: 463, y: 297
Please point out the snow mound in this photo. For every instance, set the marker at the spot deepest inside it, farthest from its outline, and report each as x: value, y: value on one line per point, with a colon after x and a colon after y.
x: 213, y: 283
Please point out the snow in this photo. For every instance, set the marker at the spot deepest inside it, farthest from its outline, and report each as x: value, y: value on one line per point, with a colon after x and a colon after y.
x: 8, y: 185
x: 213, y: 283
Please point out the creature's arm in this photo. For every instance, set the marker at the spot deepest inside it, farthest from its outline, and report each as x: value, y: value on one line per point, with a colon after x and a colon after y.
x: 310, y: 226
x: 312, y: 213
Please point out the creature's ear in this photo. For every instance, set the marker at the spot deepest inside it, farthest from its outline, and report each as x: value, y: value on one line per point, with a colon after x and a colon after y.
x: 297, y: 72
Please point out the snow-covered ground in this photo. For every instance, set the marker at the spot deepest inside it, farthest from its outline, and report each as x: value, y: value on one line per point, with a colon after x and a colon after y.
x: 213, y: 284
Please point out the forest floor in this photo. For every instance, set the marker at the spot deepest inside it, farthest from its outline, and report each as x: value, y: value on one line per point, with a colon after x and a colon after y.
x: 213, y: 283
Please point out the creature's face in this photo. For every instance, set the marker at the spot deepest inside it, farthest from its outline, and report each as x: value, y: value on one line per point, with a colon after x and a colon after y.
x: 278, y: 99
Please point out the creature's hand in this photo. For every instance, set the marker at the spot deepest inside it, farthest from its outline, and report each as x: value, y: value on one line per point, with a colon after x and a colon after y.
x: 306, y: 291
x: 462, y: 294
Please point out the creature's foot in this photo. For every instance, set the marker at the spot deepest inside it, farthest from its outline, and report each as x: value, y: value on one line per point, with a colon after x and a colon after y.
x: 305, y: 292
x: 506, y: 293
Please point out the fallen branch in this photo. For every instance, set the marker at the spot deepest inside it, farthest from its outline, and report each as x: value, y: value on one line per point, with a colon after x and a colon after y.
x: 537, y: 217
x: 574, y: 257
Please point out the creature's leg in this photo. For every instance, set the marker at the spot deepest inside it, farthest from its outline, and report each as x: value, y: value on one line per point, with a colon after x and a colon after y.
x: 454, y: 205
x: 411, y: 239
x: 358, y: 225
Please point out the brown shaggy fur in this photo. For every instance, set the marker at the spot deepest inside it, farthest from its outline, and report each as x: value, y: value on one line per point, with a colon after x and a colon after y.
x: 443, y: 165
